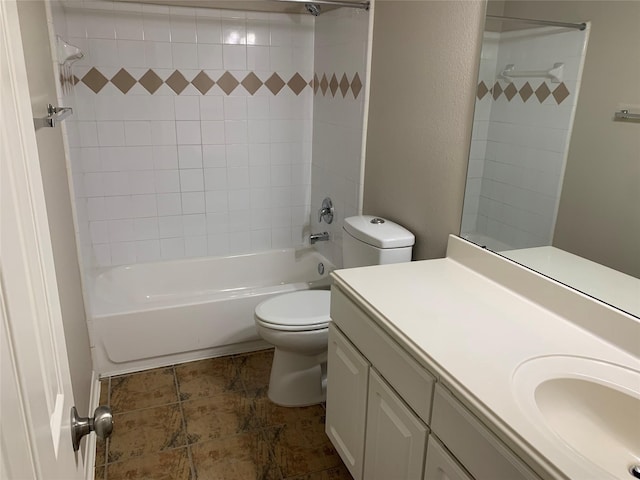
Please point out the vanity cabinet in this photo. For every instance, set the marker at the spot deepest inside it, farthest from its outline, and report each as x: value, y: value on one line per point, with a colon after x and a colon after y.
x: 380, y: 417
x: 395, y: 438
x: 347, y: 401
x: 440, y: 465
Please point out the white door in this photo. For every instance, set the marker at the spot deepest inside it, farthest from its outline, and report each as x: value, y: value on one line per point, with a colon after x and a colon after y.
x: 35, y: 438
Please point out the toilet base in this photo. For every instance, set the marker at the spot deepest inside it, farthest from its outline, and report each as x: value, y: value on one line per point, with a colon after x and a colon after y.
x: 297, y: 380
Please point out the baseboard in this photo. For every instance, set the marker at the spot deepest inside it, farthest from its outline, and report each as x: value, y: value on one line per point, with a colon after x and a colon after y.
x: 90, y: 443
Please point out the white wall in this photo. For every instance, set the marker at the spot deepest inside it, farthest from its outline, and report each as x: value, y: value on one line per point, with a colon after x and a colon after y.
x: 526, y: 139
x: 338, y: 113
x: 164, y: 175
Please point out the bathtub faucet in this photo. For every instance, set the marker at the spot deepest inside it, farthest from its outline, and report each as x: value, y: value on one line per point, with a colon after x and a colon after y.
x: 319, y: 237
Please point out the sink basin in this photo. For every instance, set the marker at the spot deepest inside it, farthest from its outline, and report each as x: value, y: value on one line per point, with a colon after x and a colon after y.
x: 590, y: 408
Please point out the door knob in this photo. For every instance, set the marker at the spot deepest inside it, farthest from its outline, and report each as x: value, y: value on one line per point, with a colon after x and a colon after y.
x: 101, y: 423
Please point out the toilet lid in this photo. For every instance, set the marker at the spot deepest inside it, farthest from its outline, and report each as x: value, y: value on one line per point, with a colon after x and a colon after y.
x: 303, y: 310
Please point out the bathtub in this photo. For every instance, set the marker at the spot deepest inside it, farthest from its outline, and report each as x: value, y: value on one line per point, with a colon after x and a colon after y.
x: 154, y: 314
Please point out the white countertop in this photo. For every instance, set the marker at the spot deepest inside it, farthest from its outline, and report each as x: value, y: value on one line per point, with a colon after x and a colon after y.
x: 473, y: 333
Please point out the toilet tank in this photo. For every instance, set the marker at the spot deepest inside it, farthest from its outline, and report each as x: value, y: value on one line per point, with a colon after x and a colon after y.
x: 369, y: 240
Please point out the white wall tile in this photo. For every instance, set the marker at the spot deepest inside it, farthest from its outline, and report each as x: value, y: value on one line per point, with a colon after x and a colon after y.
x: 183, y: 28
x: 192, y: 180
x: 214, y: 156
x: 234, y: 57
x: 210, y: 56
x: 187, y: 108
x: 153, y: 164
x: 211, y: 108
x: 238, y: 177
x: 208, y: 30
x: 185, y: 55
x: 166, y: 181
x: 170, y: 226
x: 172, y: 248
x: 213, y: 132
x: 190, y: 156
x: 216, y: 201
x: 163, y: 133
x: 193, y: 202
x: 188, y: 133
x: 158, y: 54
x: 169, y: 204
x: 137, y: 133
x: 235, y: 131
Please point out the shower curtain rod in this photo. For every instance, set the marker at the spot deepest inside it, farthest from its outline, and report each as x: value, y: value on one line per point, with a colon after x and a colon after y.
x: 579, y: 26
x: 335, y: 3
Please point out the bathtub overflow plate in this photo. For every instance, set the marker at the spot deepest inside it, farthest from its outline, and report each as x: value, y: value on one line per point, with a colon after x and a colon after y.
x: 321, y: 268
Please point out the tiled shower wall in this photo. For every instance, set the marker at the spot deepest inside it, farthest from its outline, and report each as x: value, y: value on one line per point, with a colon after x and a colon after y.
x: 341, y: 46
x: 192, y: 130
x: 521, y: 136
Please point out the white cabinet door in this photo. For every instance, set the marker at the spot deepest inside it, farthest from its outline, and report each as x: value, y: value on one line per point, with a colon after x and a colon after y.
x: 440, y: 465
x: 395, y: 439
x: 347, y: 379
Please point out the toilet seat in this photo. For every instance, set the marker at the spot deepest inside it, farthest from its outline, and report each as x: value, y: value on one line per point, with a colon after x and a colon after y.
x: 294, y: 312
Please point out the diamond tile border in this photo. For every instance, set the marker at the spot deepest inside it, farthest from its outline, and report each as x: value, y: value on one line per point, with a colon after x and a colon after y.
x: 559, y: 93
x: 177, y: 81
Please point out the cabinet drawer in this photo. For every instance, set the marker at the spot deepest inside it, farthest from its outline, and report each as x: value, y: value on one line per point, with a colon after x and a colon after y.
x: 412, y: 382
x: 477, y: 449
x: 440, y: 465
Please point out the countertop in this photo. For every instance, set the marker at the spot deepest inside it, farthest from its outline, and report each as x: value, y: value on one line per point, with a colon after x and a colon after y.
x: 473, y: 333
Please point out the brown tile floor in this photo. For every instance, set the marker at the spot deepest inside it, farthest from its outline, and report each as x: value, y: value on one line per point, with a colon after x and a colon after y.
x: 209, y: 420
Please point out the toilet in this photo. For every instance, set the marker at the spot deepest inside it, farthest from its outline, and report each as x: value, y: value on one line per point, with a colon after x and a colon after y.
x: 297, y: 324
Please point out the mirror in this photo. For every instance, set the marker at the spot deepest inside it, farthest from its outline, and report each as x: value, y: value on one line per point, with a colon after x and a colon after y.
x: 554, y: 176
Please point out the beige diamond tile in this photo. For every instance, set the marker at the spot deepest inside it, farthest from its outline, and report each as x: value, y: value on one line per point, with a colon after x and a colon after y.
x: 542, y: 92
x: 251, y: 83
x: 510, y: 91
x: 297, y: 83
x: 496, y: 91
x: 202, y: 82
x: 333, y: 84
x: 315, y: 83
x: 151, y: 81
x: 344, y: 85
x: 123, y: 80
x: 525, y: 92
x: 356, y: 85
x: 560, y: 93
x: 274, y: 83
x: 324, y: 84
x: 482, y: 90
x: 177, y: 82
x: 95, y: 80
x: 228, y: 83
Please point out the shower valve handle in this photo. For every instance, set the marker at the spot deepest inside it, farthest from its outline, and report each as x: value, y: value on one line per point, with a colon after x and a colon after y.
x: 326, y: 212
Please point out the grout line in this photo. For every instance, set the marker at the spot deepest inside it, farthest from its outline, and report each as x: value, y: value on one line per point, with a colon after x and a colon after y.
x: 184, y: 424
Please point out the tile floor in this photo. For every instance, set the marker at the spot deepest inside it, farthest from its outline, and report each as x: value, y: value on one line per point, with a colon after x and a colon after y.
x: 209, y: 420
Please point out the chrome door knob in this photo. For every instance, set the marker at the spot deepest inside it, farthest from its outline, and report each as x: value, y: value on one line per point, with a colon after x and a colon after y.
x: 101, y: 423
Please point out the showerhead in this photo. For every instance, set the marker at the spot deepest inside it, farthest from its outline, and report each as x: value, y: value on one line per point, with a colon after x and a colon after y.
x: 312, y: 8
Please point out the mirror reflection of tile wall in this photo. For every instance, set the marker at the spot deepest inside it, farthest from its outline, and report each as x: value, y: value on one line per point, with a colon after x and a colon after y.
x: 521, y: 133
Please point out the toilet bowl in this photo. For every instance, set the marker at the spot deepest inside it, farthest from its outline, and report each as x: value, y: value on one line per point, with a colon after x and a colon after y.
x: 297, y: 324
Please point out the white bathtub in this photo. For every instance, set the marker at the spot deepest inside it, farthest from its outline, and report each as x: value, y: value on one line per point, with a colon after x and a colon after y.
x: 154, y: 314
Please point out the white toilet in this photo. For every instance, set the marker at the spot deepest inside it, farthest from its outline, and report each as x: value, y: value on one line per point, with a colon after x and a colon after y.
x: 297, y: 324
